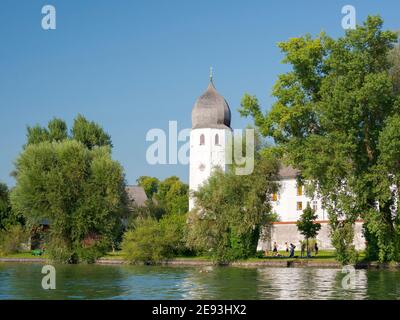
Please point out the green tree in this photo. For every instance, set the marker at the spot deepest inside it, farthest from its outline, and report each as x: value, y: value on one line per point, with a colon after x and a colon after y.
x: 12, y: 239
x: 167, y: 196
x: 231, y: 211
x: 329, y: 112
x: 342, y: 236
x: 37, y: 134
x: 307, y: 225
x: 151, y: 209
x: 152, y: 241
x: 7, y: 216
x: 5, y: 207
x: 57, y: 130
x: 89, y: 133
x: 385, y: 179
x: 144, y: 242
x: 394, y: 72
x: 80, y: 191
x: 173, y: 195
x: 149, y: 184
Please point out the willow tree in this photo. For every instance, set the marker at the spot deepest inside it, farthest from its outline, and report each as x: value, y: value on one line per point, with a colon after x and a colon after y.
x: 87, y: 132
x: 232, y: 210
x: 330, y: 110
x: 73, y: 183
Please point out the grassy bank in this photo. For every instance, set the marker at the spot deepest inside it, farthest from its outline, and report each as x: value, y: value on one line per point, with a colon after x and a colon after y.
x: 324, y: 257
x: 23, y: 255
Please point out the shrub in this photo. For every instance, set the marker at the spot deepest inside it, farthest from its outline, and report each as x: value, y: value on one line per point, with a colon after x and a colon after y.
x: 12, y: 239
x: 143, y: 243
x: 90, y: 253
x: 173, y: 230
x: 342, y: 240
x: 60, y: 250
x: 152, y: 241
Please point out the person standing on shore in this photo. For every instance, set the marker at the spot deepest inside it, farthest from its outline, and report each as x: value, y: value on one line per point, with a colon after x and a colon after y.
x: 292, y: 247
x: 303, y: 249
x: 275, y: 250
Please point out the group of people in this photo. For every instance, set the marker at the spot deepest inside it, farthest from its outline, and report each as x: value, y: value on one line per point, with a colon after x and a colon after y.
x: 289, y: 248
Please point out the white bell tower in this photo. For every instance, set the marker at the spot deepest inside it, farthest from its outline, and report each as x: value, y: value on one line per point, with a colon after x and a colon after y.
x: 211, y: 119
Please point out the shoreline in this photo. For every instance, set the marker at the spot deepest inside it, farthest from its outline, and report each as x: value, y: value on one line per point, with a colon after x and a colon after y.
x: 252, y: 264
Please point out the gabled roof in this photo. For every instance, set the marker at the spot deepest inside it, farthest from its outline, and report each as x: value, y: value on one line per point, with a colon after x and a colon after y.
x: 137, y: 195
x: 286, y: 172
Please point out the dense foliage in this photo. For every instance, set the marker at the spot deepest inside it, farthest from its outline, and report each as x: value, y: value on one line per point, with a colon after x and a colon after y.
x: 164, y: 197
x: 151, y: 241
x: 149, y: 184
x: 87, y: 132
x: 335, y: 118
x: 157, y: 231
x: 5, y: 207
x: 231, y: 211
x: 12, y: 232
x: 73, y: 185
x: 13, y: 239
x: 307, y: 224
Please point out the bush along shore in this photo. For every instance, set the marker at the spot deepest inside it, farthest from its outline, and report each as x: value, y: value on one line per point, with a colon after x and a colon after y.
x: 326, y: 260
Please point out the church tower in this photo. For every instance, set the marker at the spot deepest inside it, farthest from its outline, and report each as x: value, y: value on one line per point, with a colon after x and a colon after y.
x: 211, y: 127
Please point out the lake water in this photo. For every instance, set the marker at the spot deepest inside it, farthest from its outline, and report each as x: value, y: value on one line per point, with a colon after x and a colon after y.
x: 23, y: 281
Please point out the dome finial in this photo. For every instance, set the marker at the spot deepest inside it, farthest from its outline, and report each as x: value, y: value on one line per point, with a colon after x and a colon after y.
x: 211, y: 74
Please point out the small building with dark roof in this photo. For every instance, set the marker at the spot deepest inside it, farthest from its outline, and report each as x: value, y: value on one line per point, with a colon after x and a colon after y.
x: 136, y: 195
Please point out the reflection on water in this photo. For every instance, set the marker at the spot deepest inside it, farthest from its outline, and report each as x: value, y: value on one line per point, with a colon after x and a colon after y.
x: 23, y: 281
x: 309, y: 283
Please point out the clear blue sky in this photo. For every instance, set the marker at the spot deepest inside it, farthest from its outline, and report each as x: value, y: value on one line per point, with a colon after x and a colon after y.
x: 135, y: 65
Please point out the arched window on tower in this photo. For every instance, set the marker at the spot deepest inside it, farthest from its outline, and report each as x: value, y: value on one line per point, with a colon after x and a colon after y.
x: 202, y: 140
x: 217, y: 139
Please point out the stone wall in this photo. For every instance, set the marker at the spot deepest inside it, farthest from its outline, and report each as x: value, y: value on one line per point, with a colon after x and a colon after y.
x: 287, y: 232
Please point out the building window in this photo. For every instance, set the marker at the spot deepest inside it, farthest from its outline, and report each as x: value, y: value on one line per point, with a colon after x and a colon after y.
x: 300, y: 190
x: 315, y: 205
x: 274, y: 196
x: 202, y: 140
x: 299, y: 206
x: 217, y: 139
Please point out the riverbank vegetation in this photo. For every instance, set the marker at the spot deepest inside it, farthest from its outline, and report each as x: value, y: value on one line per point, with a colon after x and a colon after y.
x: 232, y: 212
x: 150, y: 240
x: 69, y: 181
x: 336, y: 119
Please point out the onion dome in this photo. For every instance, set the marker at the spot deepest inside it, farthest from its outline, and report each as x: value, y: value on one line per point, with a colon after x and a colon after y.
x: 211, y: 110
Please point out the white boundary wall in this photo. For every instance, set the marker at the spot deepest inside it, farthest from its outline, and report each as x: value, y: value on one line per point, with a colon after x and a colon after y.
x: 287, y: 232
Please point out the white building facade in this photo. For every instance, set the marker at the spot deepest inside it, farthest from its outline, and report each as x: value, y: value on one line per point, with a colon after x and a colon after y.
x: 288, y: 203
